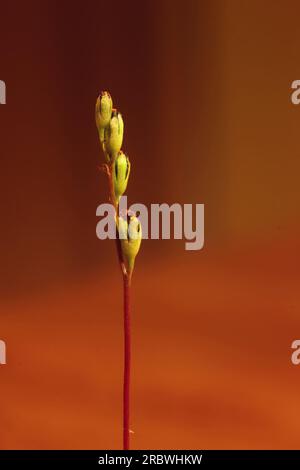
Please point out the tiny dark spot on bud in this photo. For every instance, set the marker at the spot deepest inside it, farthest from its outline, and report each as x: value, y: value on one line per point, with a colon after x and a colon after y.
x: 116, y: 170
x: 127, y: 168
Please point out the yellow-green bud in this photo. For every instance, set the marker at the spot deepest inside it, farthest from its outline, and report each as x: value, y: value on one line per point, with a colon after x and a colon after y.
x: 130, y: 235
x: 121, y: 171
x: 103, y: 112
x: 114, y: 133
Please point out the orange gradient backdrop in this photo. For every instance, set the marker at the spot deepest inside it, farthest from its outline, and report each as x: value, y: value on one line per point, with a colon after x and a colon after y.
x: 204, y: 89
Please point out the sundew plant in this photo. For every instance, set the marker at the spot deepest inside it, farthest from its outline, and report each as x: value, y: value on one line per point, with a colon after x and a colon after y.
x: 110, y: 127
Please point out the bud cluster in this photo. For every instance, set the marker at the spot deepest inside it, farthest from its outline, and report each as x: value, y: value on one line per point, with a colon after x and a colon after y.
x: 110, y: 127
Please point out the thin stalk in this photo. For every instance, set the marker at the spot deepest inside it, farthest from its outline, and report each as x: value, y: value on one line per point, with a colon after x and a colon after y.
x: 127, y: 363
x: 127, y: 336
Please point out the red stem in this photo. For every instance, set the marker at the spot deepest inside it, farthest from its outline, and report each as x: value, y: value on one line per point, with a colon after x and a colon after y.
x: 127, y: 357
x: 127, y: 341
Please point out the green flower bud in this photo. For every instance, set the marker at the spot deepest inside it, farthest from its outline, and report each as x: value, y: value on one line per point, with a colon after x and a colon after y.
x: 130, y: 235
x: 114, y: 134
x: 120, y: 172
x: 103, y: 112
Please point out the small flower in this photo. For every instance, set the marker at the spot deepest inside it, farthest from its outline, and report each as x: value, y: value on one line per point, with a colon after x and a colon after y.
x: 103, y: 112
x: 130, y: 234
x: 120, y: 171
x: 113, y: 134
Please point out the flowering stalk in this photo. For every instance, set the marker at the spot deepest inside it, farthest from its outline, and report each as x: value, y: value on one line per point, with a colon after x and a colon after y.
x: 110, y: 127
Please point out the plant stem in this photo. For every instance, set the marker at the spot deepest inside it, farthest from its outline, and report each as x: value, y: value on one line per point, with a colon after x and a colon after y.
x: 127, y: 357
x: 127, y: 342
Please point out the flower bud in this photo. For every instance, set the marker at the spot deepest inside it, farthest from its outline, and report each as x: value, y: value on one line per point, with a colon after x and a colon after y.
x: 130, y: 234
x: 103, y: 112
x: 120, y: 172
x: 114, y: 133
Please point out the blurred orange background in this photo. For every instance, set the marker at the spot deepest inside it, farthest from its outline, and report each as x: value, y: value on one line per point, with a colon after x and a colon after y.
x: 204, y: 89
